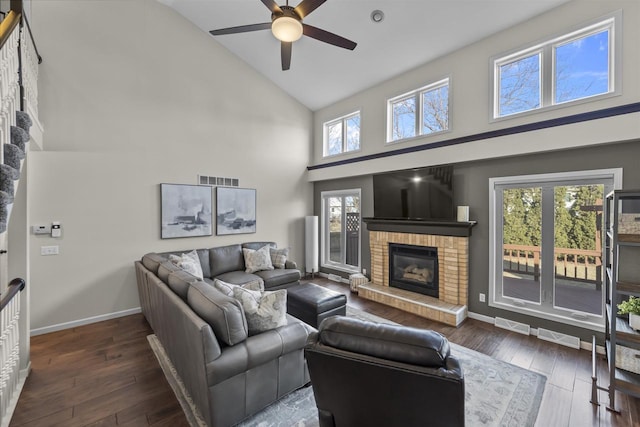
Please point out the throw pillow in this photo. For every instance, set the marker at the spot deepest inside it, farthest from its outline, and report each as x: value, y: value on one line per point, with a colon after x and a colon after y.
x: 264, y: 310
x: 279, y: 257
x: 257, y: 260
x: 188, y: 262
x: 227, y: 288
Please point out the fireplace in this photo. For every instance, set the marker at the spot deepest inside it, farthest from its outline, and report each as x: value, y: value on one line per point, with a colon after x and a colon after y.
x: 414, y: 268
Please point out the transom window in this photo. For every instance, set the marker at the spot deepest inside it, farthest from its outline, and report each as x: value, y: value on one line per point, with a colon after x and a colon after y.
x: 421, y: 112
x: 569, y: 68
x: 546, y: 248
x: 342, y: 135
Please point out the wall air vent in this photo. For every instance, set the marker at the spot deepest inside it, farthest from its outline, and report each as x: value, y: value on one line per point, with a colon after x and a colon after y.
x: 511, y: 325
x: 218, y: 180
x: 558, y: 338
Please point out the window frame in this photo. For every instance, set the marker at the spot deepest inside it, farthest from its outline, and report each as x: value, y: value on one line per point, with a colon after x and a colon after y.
x: 325, y: 260
x: 343, y: 120
x: 543, y: 309
x: 417, y: 95
x: 547, y: 48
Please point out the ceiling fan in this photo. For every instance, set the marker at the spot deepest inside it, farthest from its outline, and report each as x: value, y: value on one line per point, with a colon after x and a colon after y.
x: 287, y: 26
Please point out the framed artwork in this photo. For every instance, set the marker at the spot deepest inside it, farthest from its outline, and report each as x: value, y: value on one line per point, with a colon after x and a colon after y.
x: 186, y: 211
x: 235, y: 210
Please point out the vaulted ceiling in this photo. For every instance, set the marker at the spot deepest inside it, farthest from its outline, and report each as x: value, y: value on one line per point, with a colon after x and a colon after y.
x: 412, y: 33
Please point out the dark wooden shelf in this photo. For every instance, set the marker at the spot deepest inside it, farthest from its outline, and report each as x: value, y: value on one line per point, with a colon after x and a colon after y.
x: 415, y: 226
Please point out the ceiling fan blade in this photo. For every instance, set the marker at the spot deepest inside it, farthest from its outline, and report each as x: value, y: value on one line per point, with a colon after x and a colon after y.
x: 241, y: 29
x: 272, y: 5
x: 327, y: 37
x: 307, y: 6
x: 285, y: 53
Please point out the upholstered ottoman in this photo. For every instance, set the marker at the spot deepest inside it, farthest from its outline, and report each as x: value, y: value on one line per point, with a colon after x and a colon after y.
x: 312, y: 303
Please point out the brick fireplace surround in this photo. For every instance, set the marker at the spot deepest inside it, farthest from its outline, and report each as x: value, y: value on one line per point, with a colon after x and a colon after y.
x: 452, y: 242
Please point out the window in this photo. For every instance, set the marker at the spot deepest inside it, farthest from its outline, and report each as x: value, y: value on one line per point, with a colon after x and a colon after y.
x: 421, y: 112
x: 569, y: 68
x: 342, y: 135
x: 546, y: 245
x: 340, y: 242
x: 520, y: 84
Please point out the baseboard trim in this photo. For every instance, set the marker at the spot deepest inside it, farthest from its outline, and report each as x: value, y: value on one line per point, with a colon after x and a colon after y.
x: 86, y: 321
x: 326, y: 276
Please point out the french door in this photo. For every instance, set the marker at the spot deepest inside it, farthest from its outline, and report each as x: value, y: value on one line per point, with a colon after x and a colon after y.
x: 546, y: 237
x: 341, y: 230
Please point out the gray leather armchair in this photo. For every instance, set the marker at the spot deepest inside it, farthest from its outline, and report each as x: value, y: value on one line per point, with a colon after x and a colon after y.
x: 370, y: 374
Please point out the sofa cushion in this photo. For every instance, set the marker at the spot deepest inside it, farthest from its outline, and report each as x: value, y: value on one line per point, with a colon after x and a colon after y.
x: 189, y: 262
x: 237, y: 277
x: 165, y: 269
x: 257, y: 260
x: 392, y: 342
x: 279, y: 257
x: 278, y: 277
x: 179, y: 281
x: 227, y: 288
x: 264, y: 310
x: 225, y: 258
x: 224, y: 314
x: 152, y: 261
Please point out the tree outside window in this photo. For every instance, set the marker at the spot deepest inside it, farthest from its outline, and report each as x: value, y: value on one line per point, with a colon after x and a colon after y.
x: 342, y: 135
x: 422, y: 112
x: 568, y: 68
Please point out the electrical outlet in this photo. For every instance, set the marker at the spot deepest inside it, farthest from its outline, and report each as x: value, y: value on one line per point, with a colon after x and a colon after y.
x: 481, y: 297
x: 364, y: 271
x: 49, y: 250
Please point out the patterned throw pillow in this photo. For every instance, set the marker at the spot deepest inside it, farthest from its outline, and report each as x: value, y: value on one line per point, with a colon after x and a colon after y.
x: 227, y: 288
x: 189, y: 263
x: 264, y: 310
x: 257, y: 260
x: 279, y: 257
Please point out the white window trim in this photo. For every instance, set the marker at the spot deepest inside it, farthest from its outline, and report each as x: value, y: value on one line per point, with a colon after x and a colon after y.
x: 325, y: 134
x: 612, y: 21
x: 324, y: 262
x: 417, y: 94
x: 527, y: 307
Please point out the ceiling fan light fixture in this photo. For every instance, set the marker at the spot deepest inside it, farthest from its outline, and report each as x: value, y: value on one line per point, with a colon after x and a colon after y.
x: 286, y: 29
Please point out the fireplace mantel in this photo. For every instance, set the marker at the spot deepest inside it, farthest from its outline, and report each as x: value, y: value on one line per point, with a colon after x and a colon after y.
x: 439, y: 228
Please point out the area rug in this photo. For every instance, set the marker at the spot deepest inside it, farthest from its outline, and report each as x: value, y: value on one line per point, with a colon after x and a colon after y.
x: 496, y: 393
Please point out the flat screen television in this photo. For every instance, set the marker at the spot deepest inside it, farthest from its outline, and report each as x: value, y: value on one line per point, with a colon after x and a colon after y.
x: 418, y: 194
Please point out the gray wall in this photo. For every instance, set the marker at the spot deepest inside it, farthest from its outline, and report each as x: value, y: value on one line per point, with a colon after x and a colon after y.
x: 471, y: 188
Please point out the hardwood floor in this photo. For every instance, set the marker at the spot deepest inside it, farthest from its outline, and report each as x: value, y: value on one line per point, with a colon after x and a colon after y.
x: 105, y: 374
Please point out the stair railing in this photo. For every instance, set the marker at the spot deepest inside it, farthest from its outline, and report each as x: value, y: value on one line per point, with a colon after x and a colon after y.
x: 10, y: 348
x: 9, y: 76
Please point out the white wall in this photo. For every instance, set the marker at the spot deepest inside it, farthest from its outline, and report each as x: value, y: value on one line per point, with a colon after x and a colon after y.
x: 470, y: 73
x: 133, y: 95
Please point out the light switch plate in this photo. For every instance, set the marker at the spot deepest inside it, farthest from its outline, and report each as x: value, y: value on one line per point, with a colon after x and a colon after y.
x: 41, y: 229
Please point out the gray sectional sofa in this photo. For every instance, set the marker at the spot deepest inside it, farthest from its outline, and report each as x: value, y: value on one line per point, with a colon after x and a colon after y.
x: 229, y: 373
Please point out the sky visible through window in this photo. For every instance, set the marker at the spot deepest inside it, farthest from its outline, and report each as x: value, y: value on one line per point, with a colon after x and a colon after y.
x: 581, y: 68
